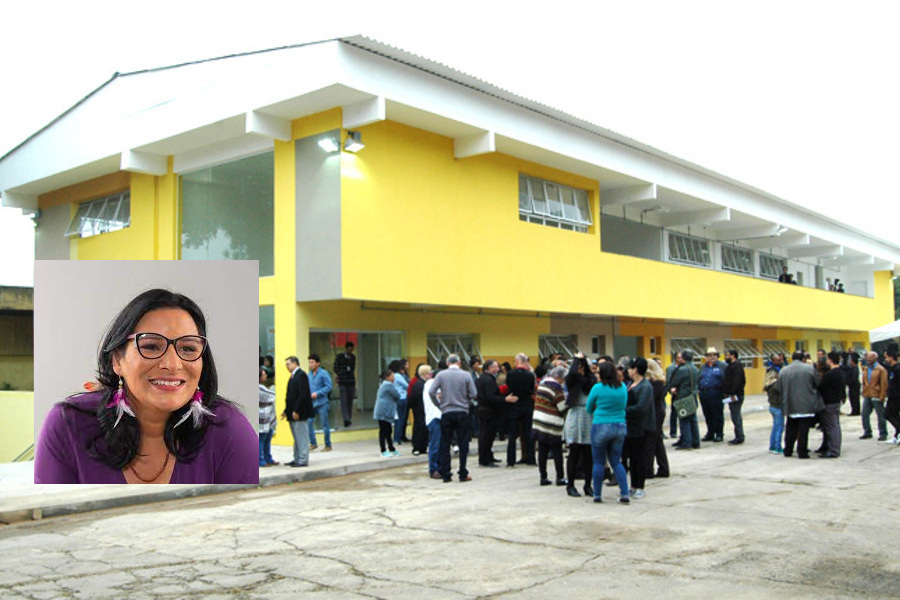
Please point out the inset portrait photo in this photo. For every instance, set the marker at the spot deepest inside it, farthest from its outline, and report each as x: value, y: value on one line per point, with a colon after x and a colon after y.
x: 127, y: 389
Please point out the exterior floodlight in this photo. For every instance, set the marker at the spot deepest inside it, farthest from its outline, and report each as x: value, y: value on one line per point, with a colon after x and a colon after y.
x: 354, y: 142
x: 329, y: 144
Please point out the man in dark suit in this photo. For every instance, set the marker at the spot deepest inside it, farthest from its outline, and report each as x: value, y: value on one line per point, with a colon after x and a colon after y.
x: 298, y: 407
x: 520, y: 411
x: 490, y: 406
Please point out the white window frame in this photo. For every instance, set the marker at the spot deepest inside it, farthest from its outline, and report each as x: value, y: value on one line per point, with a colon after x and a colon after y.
x: 770, y: 266
x: 691, y: 250
x: 771, y: 347
x: 442, y: 345
x: 103, y: 215
x: 554, y: 204
x: 738, y: 260
x: 695, y: 345
x: 746, y: 351
x: 551, y: 344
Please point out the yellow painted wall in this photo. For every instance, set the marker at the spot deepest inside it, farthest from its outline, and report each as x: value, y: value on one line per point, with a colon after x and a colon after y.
x: 405, y: 198
x: 155, y: 225
x: 17, y: 409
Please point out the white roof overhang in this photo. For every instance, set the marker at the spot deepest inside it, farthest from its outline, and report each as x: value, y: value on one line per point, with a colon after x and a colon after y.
x: 212, y: 111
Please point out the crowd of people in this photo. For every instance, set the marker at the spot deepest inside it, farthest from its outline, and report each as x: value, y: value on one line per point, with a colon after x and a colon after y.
x: 597, y: 420
x: 810, y: 393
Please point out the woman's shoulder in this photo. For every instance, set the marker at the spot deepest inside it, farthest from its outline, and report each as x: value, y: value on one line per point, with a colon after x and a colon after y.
x: 77, y: 410
x: 231, y: 423
x: 228, y: 413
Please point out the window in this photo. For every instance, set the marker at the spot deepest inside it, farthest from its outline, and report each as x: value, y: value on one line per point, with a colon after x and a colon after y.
x: 101, y: 216
x: 552, y: 344
x: 800, y: 346
x: 738, y: 260
x: 598, y: 344
x: 746, y: 351
x: 770, y: 266
x: 553, y: 204
x: 695, y: 345
x: 689, y: 250
x: 442, y: 345
x: 228, y: 212
x: 771, y: 347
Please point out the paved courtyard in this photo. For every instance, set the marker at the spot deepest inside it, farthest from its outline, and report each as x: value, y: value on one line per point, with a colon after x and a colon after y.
x: 732, y: 522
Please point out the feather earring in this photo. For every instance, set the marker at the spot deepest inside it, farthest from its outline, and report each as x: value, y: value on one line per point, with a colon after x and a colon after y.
x: 120, y: 403
x: 196, y: 410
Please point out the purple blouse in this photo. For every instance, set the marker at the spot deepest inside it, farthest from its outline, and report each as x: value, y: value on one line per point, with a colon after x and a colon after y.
x: 230, y: 451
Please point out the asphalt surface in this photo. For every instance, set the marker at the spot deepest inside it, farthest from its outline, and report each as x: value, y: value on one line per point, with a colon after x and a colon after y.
x: 731, y: 521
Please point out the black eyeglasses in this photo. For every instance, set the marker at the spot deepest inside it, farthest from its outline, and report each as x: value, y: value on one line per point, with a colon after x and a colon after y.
x: 153, y: 345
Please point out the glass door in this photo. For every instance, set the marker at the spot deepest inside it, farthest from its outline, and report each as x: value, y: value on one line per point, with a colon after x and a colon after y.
x: 374, y: 352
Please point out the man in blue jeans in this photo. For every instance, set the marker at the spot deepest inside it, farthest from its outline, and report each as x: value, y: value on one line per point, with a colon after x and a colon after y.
x: 320, y: 387
x: 453, y: 392
x: 268, y: 420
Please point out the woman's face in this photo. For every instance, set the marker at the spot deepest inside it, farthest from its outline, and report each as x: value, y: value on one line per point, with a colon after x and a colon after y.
x: 162, y: 384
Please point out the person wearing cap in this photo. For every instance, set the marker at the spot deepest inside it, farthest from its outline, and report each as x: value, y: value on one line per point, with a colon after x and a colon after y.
x: 712, y: 383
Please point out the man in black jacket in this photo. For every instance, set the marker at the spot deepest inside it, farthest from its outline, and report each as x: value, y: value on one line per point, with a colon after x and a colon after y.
x: 850, y: 369
x: 832, y: 390
x: 520, y: 411
x: 733, y: 388
x: 490, y: 407
x: 298, y: 407
x: 345, y: 371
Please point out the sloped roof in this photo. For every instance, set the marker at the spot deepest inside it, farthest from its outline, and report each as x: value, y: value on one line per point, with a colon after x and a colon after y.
x: 186, y: 109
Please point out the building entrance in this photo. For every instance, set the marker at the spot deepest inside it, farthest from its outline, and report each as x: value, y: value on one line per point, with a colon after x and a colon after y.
x: 374, y: 352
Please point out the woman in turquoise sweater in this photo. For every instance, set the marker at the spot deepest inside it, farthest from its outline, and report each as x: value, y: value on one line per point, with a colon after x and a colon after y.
x: 606, y: 403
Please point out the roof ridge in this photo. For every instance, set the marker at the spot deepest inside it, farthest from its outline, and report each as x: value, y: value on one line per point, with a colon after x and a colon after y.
x: 226, y: 56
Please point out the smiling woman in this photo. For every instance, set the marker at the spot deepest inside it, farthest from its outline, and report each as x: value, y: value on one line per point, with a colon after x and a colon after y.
x: 157, y: 417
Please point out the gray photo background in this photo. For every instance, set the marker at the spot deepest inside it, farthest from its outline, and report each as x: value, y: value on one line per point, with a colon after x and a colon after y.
x: 75, y: 301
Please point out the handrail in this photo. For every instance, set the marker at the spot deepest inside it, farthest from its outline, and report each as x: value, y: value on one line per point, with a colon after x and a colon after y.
x: 26, y: 455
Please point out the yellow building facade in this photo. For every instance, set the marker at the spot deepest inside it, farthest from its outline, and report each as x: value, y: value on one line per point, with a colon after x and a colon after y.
x: 416, y: 239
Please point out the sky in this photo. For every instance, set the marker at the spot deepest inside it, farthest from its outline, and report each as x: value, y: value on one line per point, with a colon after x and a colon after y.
x: 797, y: 98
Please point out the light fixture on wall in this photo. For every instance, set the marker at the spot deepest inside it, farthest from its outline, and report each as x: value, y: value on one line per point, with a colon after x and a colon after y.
x: 329, y: 144
x: 354, y: 142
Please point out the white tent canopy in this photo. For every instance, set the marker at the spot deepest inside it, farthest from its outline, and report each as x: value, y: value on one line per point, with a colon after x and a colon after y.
x: 885, y: 332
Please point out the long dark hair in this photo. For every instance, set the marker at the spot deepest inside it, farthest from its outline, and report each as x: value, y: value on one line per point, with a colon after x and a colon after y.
x: 117, y: 446
x: 609, y: 375
x: 583, y: 381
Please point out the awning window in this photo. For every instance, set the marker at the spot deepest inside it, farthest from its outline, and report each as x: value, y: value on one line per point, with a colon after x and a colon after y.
x: 563, y: 344
x: 771, y: 347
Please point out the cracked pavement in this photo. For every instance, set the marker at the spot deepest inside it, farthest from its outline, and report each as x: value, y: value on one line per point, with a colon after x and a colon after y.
x: 731, y: 521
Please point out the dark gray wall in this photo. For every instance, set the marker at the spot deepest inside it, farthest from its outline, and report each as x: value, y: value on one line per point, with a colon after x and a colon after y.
x: 630, y: 238
x: 318, y: 220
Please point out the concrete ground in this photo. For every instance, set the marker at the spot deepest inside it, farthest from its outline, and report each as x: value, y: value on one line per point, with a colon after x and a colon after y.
x: 731, y: 522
